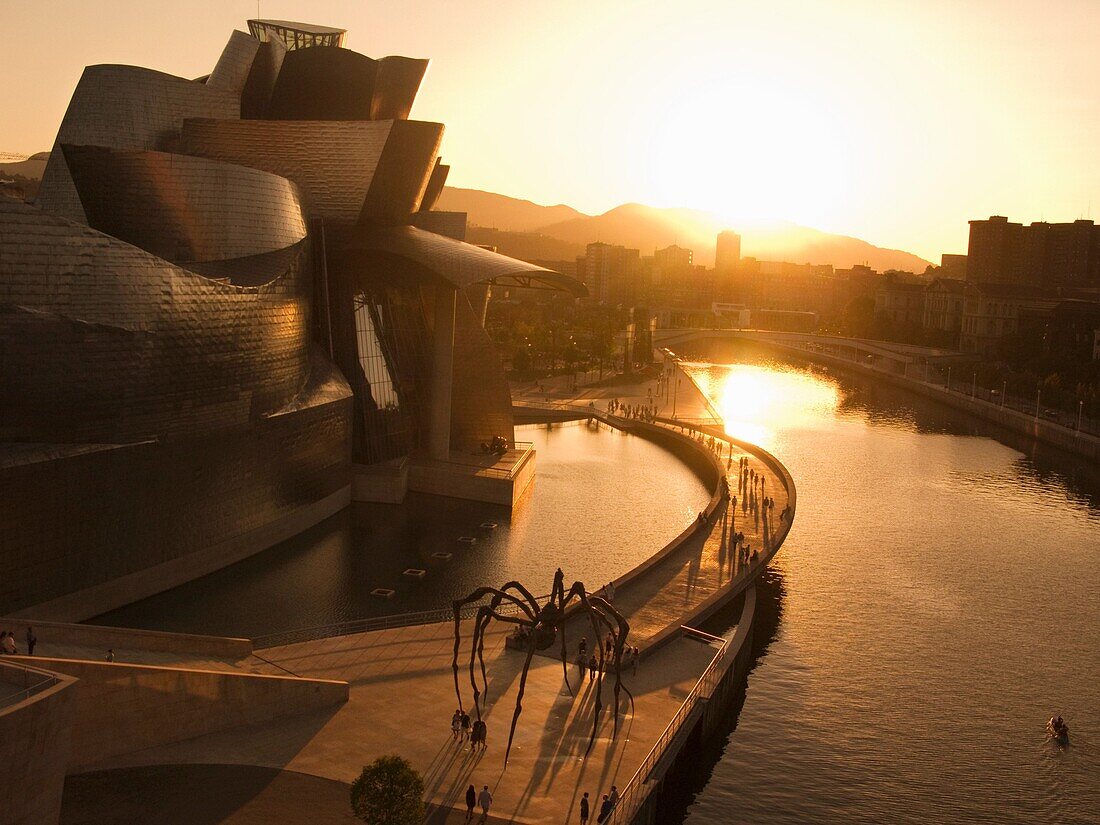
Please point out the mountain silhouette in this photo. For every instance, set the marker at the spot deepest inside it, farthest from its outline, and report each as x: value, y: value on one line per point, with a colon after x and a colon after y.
x: 648, y: 228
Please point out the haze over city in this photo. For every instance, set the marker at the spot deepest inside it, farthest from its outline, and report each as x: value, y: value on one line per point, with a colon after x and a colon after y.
x: 895, y: 122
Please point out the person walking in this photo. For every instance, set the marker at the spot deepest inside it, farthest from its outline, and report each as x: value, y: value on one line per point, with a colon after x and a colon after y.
x: 584, y: 809
x: 456, y: 724
x: 613, y: 797
x: 110, y: 654
x: 471, y: 801
x: 485, y: 800
x: 7, y: 643
x: 605, y: 809
x: 593, y: 666
x: 32, y: 640
x: 465, y: 726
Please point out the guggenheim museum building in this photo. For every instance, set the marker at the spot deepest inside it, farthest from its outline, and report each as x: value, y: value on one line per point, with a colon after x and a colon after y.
x: 232, y: 310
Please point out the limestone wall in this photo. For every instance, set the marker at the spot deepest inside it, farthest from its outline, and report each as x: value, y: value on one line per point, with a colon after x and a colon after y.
x: 120, y: 708
x: 123, y: 638
x: 34, y: 745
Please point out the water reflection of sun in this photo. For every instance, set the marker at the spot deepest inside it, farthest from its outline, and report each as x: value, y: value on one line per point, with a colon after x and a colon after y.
x: 755, y: 401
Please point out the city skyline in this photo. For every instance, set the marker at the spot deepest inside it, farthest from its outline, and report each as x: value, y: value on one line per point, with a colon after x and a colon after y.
x: 895, y: 124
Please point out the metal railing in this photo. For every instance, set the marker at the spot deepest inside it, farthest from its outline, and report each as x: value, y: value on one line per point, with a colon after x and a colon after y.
x: 394, y: 620
x: 491, y: 470
x: 40, y: 682
x: 634, y: 793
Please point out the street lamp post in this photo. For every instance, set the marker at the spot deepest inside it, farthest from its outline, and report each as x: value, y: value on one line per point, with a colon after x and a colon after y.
x: 1080, y: 410
x: 949, y: 379
x: 1038, y: 394
x: 1004, y: 389
x: 674, y: 389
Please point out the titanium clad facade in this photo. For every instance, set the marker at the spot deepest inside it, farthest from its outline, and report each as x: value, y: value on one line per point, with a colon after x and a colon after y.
x: 125, y: 107
x: 217, y: 306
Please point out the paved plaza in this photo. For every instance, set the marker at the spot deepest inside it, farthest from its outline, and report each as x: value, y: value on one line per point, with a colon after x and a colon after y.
x: 401, y: 700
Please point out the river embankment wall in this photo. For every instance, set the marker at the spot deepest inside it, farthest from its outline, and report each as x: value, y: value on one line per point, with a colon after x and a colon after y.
x: 1071, y: 440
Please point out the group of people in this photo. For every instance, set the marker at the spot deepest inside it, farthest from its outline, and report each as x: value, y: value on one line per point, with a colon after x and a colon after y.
x: 463, y: 730
x: 9, y: 647
x: 498, y: 445
x: 607, y: 805
x: 590, y: 662
x: 640, y: 412
x: 484, y: 798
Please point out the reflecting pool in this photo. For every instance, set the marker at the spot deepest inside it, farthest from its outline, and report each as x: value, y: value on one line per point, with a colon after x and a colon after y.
x: 602, y: 502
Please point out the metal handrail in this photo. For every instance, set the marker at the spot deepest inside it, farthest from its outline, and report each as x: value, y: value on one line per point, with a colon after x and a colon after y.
x: 633, y: 795
x: 393, y: 620
x: 29, y: 690
x: 522, y: 447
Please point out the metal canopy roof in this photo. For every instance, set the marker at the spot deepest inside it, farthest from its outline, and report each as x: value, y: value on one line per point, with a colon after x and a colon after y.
x: 462, y: 263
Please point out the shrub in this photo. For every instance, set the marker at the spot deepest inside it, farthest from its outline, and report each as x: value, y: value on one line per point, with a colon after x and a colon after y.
x: 389, y: 791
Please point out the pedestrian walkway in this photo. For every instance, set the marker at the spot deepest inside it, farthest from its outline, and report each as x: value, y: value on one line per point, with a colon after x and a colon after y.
x: 401, y: 701
x: 707, y: 562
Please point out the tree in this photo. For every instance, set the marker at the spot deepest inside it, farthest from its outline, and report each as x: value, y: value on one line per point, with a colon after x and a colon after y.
x: 389, y: 791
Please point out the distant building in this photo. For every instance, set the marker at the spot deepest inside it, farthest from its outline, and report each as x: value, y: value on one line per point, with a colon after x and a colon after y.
x: 727, y: 252
x: 992, y: 312
x: 943, y: 306
x: 953, y: 266
x: 1046, y: 254
x: 900, y: 300
x: 610, y: 273
x: 1072, y: 328
x: 737, y: 315
x: 672, y: 257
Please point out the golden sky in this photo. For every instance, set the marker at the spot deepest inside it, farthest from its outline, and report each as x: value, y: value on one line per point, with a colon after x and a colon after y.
x: 895, y: 122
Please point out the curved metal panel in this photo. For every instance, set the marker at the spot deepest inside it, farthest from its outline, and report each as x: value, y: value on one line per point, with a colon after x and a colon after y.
x: 256, y: 96
x: 403, y: 171
x: 183, y: 208
x: 233, y: 67
x: 106, y: 343
x: 335, y: 164
x: 461, y: 263
x: 395, y: 88
x: 434, y: 189
x: 324, y: 83
x: 125, y: 107
x: 481, y: 401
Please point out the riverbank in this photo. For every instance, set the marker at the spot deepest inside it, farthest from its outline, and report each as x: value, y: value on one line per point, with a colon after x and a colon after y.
x: 1082, y: 444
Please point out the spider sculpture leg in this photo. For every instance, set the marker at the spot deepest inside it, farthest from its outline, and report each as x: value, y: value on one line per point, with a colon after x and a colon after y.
x: 565, y: 655
x: 477, y: 596
x: 484, y: 617
x: 598, y: 610
x: 519, y: 697
x: 620, y: 642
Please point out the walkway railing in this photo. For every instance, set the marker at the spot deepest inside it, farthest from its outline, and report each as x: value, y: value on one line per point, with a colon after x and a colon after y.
x: 34, y: 681
x: 634, y: 793
x: 520, y: 447
x: 394, y: 620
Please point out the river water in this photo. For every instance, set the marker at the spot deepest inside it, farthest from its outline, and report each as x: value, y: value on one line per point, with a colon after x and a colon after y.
x: 937, y: 600
x: 601, y: 503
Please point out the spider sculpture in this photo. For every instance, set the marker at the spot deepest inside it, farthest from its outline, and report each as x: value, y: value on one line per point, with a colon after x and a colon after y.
x: 540, y: 626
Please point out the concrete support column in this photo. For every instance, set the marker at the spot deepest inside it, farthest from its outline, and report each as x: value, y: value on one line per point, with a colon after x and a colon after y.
x: 479, y: 296
x: 443, y: 354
